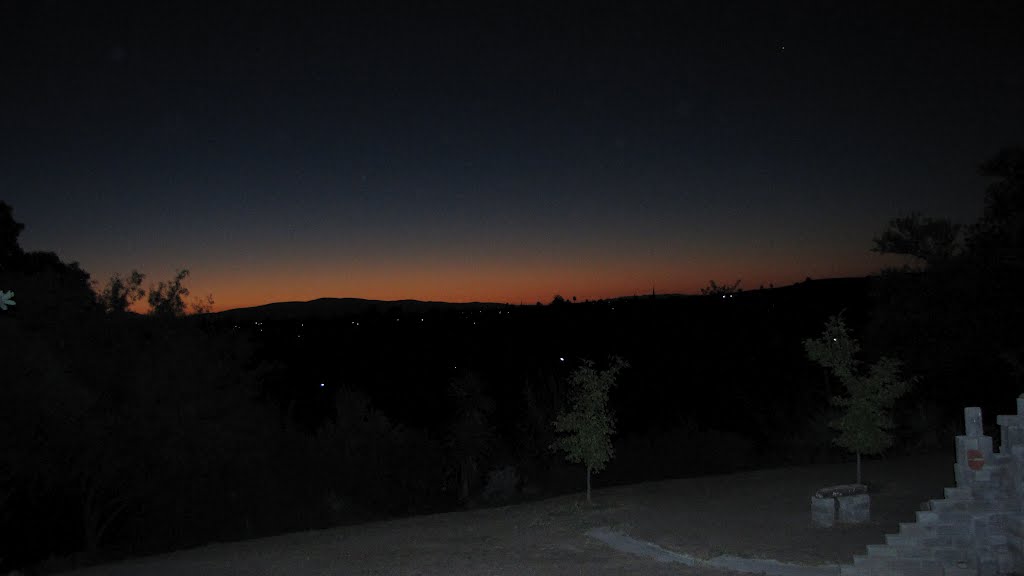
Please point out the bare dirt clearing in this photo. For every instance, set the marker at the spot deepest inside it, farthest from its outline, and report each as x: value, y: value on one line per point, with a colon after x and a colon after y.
x: 760, y: 514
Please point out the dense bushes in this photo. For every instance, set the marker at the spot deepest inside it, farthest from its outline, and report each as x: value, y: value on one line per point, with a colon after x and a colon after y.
x: 141, y: 435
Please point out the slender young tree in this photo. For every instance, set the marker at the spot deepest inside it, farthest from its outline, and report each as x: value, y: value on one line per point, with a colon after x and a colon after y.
x: 588, y: 427
x: 865, y: 424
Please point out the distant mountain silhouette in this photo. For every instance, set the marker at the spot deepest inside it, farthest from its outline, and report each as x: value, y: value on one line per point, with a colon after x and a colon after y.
x: 327, y: 308
x: 342, y: 307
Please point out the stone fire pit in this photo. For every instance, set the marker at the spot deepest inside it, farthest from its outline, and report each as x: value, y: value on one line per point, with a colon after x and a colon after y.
x: 845, y: 504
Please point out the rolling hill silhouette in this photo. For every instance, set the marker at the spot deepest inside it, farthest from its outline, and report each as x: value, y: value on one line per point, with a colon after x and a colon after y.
x: 326, y: 308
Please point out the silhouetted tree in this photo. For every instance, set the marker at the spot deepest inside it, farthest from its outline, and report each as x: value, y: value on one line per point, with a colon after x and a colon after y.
x: 103, y: 423
x: 9, y: 248
x: 167, y: 299
x: 588, y: 427
x: 996, y: 241
x: 10, y: 229
x: 52, y: 292
x: 202, y: 306
x: 866, y: 421
x: 931, y: 240
x: 713, y: 289
x: 541, y: 397
x: 957, y: 320
x: 998, y: 236
x: 39, y: 406
x: 184, y: 400
x: 471, y: 435
x: 365, y: 463
x: 120, y: 293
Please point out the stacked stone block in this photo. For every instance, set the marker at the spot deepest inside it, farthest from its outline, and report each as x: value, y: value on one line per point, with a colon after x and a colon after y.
x: 978, y: 528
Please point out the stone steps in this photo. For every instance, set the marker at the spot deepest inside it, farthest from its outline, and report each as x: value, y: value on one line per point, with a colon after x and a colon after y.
x: 867, y: 565
x: 977, y: 528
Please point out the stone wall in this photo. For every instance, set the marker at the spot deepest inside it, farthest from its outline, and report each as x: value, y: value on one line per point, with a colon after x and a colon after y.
x: 978, y: 528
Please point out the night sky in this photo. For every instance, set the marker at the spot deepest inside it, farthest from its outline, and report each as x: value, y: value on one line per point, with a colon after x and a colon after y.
x: 495, y: 151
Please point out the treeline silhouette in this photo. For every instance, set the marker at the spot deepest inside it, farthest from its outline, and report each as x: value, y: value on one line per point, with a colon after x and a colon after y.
x: 126, y: 434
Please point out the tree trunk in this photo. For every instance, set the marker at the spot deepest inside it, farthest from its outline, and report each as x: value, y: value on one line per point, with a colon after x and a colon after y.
x: 97, y: 515
x: 588, y: 485
x: 91, y: 539
x: 464, y: 481
x: 858, y: 467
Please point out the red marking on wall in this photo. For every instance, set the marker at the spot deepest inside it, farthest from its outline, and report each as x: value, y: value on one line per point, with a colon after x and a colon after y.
x: 975, y: 459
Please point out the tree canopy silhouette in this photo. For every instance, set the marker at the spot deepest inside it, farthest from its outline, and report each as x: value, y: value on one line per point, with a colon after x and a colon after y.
x: 120, y: 293
x: 932, y: 240
x: 955, y: 318
x: 715, y: 289
x: 167, y: 299
x: 998, y: 236
x: 10, y: 229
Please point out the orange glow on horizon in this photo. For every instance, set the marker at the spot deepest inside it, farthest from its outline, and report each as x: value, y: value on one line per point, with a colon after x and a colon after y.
x: 466, y: 286
x: 525, y: 283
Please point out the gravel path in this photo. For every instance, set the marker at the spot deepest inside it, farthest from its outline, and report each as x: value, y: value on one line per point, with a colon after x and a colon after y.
x: 630, y: 545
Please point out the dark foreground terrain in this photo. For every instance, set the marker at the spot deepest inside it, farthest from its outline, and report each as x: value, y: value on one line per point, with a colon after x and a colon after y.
x: 758, y: 514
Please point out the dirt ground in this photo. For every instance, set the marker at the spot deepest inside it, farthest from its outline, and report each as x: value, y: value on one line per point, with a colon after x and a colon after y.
x: 761, y: 514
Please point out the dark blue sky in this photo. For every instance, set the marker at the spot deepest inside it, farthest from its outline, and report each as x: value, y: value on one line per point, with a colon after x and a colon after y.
x: 500, y: 151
